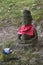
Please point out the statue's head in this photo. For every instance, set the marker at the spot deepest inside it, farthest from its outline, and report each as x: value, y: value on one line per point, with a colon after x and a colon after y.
x: 27, y: 17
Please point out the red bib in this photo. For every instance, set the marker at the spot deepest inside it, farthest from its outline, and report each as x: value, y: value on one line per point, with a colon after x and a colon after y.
x: 28, y: 30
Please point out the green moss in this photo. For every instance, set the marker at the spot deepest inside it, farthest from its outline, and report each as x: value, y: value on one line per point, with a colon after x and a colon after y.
x: 1, y: 57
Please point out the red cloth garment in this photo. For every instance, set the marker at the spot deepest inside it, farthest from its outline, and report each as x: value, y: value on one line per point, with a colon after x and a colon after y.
x: 28, y: 30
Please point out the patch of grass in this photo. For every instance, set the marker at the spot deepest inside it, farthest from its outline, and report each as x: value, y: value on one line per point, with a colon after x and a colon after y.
x: 12, y: 9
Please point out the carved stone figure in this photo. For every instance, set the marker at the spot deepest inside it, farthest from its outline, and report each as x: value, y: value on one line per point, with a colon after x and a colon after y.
x: 27, y: 33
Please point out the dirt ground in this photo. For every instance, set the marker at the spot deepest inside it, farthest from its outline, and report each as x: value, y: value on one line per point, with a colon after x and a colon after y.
x: 9, y: 32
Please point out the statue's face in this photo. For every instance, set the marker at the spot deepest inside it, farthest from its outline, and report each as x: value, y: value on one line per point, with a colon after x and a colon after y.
x: 26, y: 20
